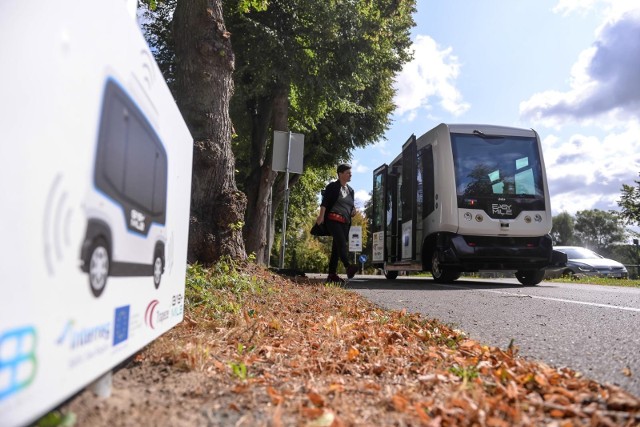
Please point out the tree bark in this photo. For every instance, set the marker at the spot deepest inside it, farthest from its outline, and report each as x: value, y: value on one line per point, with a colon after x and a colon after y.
x: 204, y: 85
x: 268, y: 111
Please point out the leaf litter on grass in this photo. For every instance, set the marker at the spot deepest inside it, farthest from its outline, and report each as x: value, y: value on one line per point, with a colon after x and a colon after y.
x: 286, y: 353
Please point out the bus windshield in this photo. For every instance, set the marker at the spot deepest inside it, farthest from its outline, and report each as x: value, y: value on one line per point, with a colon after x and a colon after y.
x: 497, y: 166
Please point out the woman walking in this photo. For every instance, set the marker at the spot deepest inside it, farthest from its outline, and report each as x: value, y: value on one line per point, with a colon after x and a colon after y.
x: 336, y: 210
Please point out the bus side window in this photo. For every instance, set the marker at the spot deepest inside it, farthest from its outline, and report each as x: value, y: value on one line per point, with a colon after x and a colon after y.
x: 428, y: 181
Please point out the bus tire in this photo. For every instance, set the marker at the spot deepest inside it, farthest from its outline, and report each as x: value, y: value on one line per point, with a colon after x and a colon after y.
x: 530, y: 277
x: 441, y: 275
x: 98, y: 266
x: 391, y: 275
x: 158, y: 267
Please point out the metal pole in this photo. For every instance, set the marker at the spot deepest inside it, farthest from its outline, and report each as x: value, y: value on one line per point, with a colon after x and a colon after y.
x: 269, y: 218
x: 285, y: 209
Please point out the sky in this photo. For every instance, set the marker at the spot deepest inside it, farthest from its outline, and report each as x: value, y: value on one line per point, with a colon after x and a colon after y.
x: 570, y: 69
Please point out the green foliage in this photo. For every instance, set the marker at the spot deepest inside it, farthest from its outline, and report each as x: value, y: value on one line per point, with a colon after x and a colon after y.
x: 466, y: 373
x: 626, y: 254
x: 599, y: 230
x: 601, y: 281
x: 245, y: 6
x: 333, y: 60
x: 151, y: 4
x: 156, y: 26
x: 630, y: 203
x: 310, y: 255
x: 337, y: 68
x: 563, y: 230
x: 239, y: 370
x: 57, y: 419
x: 303, y: 199
x: 237, y: 225
x: 220, y: 288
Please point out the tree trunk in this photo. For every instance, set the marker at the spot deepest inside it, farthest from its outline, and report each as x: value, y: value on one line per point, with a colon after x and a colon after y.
x: 262, y: 177
x: 204, y: 85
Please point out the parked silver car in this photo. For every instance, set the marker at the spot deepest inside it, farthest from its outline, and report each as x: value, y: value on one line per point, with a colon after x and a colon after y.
x: 583, y: 261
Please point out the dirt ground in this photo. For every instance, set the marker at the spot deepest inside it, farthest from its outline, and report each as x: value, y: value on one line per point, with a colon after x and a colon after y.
x: 305, y: 354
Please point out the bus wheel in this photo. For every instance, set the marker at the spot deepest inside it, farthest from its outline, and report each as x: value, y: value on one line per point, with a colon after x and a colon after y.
x: 441, y: 275
x: 391, y: 275
x: 157, y: 270
x: 98, y: 267
x: 530, y: 277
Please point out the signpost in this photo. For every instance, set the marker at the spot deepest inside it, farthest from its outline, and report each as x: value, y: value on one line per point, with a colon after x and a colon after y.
x: 288, y: 153
x: 362, y: 258
x: 355, y: 238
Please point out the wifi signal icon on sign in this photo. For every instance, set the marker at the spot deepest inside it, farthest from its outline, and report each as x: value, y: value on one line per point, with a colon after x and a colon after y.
x: 149, y: 76
x: 57, y: 219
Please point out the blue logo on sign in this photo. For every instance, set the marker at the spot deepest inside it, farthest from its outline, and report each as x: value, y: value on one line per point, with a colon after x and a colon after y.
x: 362, y: 258
x: 17, y: 360
x: 80, y: 337
x: 121, y: 325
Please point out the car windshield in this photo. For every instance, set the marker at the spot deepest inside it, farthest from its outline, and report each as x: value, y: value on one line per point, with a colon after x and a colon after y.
x: 579, y: 253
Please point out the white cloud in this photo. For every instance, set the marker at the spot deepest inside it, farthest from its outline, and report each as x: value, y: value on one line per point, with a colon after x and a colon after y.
x: 566, y: 7
x: 381, y: 146
x: 361, y: 196
x: 586, y: 172
x: 604, y: 82
x: 358, y: 167
x: 431, y: 74
x: 612, y: 8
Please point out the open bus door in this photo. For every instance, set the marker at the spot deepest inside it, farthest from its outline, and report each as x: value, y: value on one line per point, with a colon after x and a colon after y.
x: 397, y: 212
x: 407, y: 204
x: 381, y: 212
x: 385, y: 225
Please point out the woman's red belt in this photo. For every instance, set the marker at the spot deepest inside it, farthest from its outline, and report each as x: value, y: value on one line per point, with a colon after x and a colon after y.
x: 336, y: 217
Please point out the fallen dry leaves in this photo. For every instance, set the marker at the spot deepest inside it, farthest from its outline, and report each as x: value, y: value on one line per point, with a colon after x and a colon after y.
x: 307, y: 355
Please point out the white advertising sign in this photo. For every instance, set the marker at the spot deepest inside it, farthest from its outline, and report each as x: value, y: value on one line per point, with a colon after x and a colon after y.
x: 355, y: 238
x: 288, y: 152
x: 406, y: 240
x: 378, y: 247
x: 95, y: 176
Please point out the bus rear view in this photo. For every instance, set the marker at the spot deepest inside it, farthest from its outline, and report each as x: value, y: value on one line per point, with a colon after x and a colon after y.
x: 464, y: 198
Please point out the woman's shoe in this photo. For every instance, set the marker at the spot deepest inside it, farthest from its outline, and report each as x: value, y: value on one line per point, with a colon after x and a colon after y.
x: 352, y: 270
x: 334, y: 278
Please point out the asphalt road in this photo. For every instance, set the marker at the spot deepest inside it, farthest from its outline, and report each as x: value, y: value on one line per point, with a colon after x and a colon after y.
x: 592, y: 329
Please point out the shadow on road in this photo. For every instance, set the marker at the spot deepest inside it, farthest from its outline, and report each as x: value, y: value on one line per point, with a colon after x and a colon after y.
x: 427, y: 284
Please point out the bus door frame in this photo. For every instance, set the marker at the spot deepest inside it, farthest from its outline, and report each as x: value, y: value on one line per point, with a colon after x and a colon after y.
x: 408, y: 197
x: 384, y: 172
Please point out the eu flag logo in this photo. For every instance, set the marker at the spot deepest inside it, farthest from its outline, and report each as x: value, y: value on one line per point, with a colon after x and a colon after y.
x: 121, y: 325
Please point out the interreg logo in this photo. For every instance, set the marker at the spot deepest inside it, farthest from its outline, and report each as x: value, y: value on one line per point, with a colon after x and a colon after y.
x: 77, y: 338
x: 17, y: 360
x: 121, y: 325
x: 501, y: 209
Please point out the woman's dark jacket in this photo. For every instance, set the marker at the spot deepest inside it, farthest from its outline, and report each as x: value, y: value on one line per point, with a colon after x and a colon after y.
x: 331, y: 194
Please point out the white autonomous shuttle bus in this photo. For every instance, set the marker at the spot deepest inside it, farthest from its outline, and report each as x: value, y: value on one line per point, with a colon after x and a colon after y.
x: 464, y: 198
